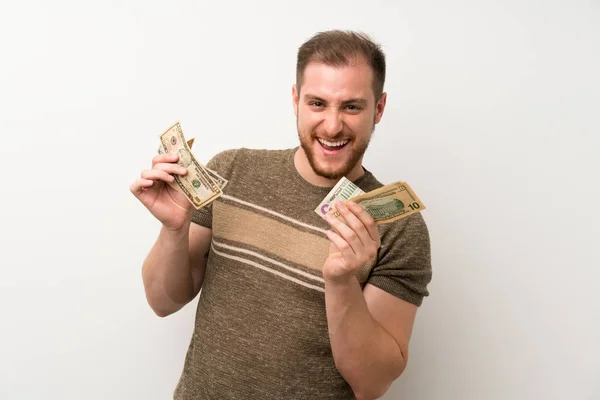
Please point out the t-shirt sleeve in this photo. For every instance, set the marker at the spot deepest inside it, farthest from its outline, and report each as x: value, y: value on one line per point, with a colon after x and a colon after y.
x: 222, y: 164
x: 404, y: 261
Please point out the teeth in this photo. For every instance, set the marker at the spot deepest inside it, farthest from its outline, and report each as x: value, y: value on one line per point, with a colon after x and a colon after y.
x: 333, y: 144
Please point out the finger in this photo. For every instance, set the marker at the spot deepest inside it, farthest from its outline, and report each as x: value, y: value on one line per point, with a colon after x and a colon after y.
x: 347, y: 253
x: 346, y: 233
x: 367, y: 220
x: 165, y: 158
x: 355, y: 224
x: 171, y: 168
x: 157, y: 175
x: 138, y: 186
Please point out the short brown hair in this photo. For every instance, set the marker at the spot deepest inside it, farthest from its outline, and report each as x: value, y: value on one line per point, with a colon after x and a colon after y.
x: 339, y: 48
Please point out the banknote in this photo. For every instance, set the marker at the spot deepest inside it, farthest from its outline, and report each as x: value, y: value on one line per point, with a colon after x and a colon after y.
x: 197, y: 185
x: 222, y: 182
x: 219, y: 180
x: 342, y: 191
x: 190, y: 143
x: 388, y: 203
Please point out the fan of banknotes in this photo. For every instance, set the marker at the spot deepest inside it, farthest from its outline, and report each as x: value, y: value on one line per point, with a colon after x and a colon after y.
x: 386, y: 204
x: 202, y: 186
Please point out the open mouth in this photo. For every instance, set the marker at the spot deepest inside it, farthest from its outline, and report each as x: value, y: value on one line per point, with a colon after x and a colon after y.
x: 337, y: 145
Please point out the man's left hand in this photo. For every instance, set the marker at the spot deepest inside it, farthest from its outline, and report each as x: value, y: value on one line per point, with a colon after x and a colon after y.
x: 352, y: 244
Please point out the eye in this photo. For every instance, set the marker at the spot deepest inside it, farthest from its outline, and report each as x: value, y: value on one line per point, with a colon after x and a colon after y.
x: 316, y: 104
x: 353, y: 107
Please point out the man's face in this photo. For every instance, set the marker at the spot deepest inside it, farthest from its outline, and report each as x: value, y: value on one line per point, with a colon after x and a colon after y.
x: 336, y: 116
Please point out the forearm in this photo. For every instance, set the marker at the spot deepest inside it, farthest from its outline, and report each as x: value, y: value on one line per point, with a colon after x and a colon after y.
x: 366, y: 355
x: 166, y: 272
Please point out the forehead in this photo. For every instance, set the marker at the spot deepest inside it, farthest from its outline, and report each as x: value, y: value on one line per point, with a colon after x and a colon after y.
x: 338, y: 83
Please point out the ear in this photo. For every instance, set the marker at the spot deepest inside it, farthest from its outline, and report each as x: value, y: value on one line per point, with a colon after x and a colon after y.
x: 295, y: 99
x: 379, y: 107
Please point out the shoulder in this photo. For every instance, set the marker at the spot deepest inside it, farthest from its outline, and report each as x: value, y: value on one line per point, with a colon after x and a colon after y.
x: 262, y: 156
x: 245, y: 159
x: 407, y: 240
x: 223, y: 158
x: 243, y: 154
x: 412, y: 229
x: 368, y: 181
x: 412, y: 225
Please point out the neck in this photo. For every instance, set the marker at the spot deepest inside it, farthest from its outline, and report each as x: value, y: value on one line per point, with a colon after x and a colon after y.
x: 305, y: 170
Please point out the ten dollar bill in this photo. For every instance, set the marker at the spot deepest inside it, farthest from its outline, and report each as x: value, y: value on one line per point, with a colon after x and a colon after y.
x: 388, y: 203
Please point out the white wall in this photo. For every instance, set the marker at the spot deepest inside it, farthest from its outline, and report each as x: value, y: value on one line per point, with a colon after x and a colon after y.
x: 493, y: 117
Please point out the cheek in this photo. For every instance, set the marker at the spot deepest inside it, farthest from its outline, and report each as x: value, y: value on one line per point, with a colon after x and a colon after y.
x: 307, y: 121
x: 359, y: 124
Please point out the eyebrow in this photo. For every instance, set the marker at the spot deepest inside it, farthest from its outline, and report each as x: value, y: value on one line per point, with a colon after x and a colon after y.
x: 358, y: 101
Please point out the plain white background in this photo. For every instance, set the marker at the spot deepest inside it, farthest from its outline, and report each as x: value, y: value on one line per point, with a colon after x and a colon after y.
x: 492, y: 117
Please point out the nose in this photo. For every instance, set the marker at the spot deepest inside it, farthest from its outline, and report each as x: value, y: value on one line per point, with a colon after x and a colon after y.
x: 333, y: 122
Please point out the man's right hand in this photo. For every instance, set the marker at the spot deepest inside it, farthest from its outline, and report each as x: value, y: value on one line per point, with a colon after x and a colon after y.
x: 168, y: 205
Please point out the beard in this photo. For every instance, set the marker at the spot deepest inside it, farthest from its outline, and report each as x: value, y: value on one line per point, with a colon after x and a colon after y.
x: 355, y: 152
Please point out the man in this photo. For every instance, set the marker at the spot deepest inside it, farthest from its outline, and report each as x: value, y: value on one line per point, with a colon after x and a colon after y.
x: 292, y: 306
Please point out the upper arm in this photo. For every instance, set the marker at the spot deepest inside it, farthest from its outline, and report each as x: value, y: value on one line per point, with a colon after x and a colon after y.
x: 398, y: 283
x: 199, y: 246
x: 395, y: 315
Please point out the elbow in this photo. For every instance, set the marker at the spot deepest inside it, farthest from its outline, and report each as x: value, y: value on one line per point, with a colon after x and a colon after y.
x: 371, y: 393
x: 160, y: 303
x: 161, y: 313
x: 371, y: 389
x: 159, y: 308
x: 163, y: 310
x: 377, y: 386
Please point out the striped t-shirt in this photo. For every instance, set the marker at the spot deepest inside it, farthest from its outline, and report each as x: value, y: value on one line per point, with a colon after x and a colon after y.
x: 261, y: 327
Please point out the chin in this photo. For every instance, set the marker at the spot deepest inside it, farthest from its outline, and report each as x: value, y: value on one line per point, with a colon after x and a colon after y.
x: 328, y: 169
x: 333, y: 166
x: 330, y: 174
